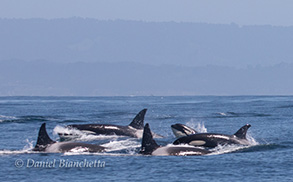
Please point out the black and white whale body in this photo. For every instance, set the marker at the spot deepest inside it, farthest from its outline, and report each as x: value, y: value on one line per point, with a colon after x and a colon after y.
x: 134, y: 129
x: 181, y: 130
x: 150, y: 147
x: 46, y: 144
x: 215, y: 139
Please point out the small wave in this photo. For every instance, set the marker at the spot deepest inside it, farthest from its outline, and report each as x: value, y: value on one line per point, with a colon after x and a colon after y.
x: 7, y: 117
x: 285, y: 106
x: 25, y: 119
x: 34, y: 117
x: 4, y: 118
x: 164, y: 117
x: 234, y: 114
x: 71, y: 121
x: 222, y: 114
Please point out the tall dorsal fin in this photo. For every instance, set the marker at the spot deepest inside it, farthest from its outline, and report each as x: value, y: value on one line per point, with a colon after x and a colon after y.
x: 43, y: 139
x: 181, y: 130
x: 138, y: 121
x: 148, y: 144
x: 241, y: 133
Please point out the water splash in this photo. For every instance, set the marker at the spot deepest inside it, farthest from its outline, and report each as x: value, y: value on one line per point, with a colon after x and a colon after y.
x: 125, y: 147
x: 222, y: 149
x: 251, y: 140
x: 65, y: 130
x: 201, y: 128
x: 198, y: 126
x: 29, y: 145
x: 27, y: 149
x: 130, y: 145
x: 77, y: 135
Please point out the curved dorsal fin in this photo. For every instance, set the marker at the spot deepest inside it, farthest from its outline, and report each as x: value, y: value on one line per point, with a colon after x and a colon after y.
x: 138, y: 121
x: 148, y: 144
x: 43, y: 139
x: 241, y: 133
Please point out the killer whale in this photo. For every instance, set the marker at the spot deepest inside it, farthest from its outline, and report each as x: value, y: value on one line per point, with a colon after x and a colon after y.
x: 134, y: 129
x: 150, y: 147
x: 215, y: 139
x: 180, y: 130
x: 46, y: 144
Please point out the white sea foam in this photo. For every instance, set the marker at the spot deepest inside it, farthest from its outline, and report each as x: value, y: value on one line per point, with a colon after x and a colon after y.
x: 13, y: 152
x: 222, y: 113
x: 26, y: 149
x: 61, y: 129
x: 129, y: 144
x: 74, y: 134
x: 79, y: 149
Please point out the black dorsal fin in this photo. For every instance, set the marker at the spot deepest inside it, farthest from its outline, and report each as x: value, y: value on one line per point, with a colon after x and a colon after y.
x: 138, y: 121
x: 241, y: 133
x: 148, y: 144
x: 43, y: 139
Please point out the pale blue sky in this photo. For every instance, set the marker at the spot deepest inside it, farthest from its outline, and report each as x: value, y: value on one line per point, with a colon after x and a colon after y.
x: 40, y: 57
x: 241, y: 12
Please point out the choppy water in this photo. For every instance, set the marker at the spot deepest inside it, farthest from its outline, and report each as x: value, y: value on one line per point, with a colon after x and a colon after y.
x: 268, y: 158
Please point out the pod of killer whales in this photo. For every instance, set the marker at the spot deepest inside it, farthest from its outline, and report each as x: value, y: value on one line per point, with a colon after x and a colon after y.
x: 188, y: 141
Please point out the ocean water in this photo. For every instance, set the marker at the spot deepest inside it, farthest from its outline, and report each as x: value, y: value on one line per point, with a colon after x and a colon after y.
x: 268, y: 158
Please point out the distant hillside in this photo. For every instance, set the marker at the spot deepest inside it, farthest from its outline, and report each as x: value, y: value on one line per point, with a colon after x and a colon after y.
x: 186, y: 44
x: 106, y: 79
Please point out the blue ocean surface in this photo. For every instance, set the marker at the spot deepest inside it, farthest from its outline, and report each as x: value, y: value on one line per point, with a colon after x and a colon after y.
x: 269, y: 157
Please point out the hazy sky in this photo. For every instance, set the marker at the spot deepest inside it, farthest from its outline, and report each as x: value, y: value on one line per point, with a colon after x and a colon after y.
x: 95, y: 54
x: 242, y: 12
